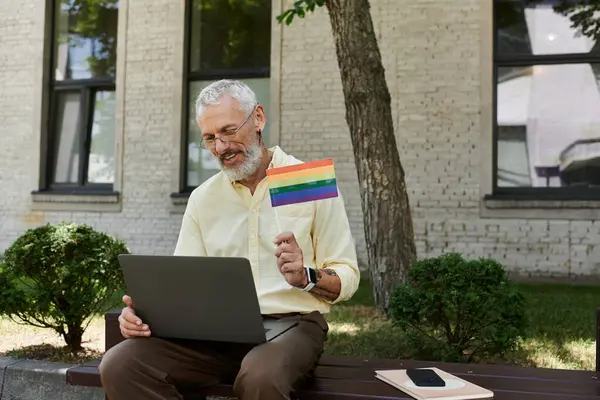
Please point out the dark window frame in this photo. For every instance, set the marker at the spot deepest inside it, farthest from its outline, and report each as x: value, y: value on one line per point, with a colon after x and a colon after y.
x: 87, y: 89
x: 499, y: 61
x: 189, y: 77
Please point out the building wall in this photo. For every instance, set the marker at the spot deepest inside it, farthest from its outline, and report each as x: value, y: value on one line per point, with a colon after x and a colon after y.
x: 150, y: 39
x: 437, y: 55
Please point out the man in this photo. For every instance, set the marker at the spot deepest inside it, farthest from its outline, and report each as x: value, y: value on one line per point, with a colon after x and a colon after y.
x: 231, y: 215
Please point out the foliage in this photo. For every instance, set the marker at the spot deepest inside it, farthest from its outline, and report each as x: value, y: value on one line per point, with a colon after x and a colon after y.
x: 300, y: 8
x: 228, y: 36
x: 453, y: 309
x: 59, y: 276
x: 583, y: 14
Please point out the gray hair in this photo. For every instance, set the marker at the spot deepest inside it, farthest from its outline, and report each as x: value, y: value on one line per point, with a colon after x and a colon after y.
x: 212, y: 93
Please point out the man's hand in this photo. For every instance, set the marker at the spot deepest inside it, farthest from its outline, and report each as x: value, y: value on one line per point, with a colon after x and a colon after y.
x: 290, y: 259
x: 131, y: 325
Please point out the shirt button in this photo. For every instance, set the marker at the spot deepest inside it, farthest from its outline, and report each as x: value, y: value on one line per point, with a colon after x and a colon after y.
x: 253, y: 237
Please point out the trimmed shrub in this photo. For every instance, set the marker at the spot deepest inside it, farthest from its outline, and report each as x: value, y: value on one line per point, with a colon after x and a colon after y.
x: 59, y: 277
x: 453, y: 309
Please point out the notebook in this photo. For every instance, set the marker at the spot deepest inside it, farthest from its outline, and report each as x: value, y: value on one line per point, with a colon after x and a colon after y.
x: 455, y: 388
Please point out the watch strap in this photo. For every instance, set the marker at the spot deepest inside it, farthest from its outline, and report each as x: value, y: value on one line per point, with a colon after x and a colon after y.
x: 310, y: 284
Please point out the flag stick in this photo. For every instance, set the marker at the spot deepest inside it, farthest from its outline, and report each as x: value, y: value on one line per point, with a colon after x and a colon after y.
x: 277, y: 220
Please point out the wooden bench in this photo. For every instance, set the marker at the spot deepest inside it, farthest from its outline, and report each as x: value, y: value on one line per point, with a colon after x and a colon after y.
x: 346, y: 378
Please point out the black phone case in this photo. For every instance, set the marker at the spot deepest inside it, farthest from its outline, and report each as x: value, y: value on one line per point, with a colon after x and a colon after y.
x: 425, y: 378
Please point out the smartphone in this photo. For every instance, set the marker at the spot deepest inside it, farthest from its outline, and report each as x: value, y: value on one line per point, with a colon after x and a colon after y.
x: 425, y: 377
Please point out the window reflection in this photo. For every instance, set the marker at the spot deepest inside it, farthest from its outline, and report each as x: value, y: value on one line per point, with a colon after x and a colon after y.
x: 67, y: 143
x: 548, y: 112
x: 557, y: 109
x: 230, y: 36
x: 101, y: 164
x: 86, y: 39
x: 544, y: 27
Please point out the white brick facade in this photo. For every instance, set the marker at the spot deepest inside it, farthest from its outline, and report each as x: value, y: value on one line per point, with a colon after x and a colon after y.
x: 437, y: 59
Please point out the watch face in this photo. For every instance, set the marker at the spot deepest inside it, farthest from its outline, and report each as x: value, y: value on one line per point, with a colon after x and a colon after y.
x: 312, y: 275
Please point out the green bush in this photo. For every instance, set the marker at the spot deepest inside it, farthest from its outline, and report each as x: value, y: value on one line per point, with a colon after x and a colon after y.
x: 453, y: 309
x: 59, y: 276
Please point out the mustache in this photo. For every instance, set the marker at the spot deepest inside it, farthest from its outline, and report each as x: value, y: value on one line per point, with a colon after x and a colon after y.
x: 228, y: 154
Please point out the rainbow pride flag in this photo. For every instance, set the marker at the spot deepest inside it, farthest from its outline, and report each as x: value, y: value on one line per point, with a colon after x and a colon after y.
x: 299, y: 183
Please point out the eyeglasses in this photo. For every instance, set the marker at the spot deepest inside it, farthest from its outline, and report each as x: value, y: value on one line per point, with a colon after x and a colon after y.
x: 209, y: 140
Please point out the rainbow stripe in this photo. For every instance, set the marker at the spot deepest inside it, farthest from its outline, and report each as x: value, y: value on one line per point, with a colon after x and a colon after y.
x: 299, y: 183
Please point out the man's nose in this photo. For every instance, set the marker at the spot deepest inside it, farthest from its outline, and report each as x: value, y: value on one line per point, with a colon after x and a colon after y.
x: 220, y: 146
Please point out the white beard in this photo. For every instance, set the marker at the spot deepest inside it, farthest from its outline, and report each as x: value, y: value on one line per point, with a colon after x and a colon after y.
x: 253, y: 158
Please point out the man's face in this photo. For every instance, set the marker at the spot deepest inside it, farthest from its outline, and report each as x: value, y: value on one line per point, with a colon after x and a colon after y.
x: 231, y: 136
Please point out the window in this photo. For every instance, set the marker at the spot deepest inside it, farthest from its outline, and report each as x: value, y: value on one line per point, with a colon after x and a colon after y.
x: 226, y: 39
x: 547, y: 99
x: 81, y: 131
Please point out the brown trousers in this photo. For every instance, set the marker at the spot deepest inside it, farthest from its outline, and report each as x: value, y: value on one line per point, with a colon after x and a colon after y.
x: 153, y: 368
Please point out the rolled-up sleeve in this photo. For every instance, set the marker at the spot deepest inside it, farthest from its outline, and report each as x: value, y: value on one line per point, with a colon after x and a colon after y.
x: 334, y: 245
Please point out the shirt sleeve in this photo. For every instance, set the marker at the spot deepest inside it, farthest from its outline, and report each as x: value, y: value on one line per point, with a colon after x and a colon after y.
x: 334, y: 245
x: 190, y: 242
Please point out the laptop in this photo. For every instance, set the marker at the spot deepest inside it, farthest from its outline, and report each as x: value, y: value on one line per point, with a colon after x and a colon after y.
x: 199, y: 298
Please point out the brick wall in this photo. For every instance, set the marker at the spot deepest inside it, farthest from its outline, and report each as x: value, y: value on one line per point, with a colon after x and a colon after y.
x: 431, y: 50
x: 146, y: 221
x: 20, y: 51
x: 432, y: 54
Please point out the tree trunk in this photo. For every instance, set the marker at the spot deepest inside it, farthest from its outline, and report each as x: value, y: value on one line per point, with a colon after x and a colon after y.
x: 387, y: 219
x: 73, y: 337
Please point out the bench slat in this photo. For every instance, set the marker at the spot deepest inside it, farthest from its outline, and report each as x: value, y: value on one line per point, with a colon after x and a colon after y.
x: 347, y: 390
x: 491, y: 382
x: 352, y: 378
x: 346, y: 381
x: 84, y: 376
x: 483, y: 369
x: 488, y: 381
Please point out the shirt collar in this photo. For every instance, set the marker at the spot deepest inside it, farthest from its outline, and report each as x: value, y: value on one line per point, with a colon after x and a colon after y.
x: 279, y: 158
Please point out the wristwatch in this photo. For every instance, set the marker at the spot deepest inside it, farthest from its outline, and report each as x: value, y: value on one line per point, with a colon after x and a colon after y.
x: 311, y: 275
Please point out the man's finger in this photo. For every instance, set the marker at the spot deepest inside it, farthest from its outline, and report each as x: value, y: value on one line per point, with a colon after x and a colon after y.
x: 288, y: 257
x: 129, y: 316
x: 127, y: 300
x: 291, y: 267
x: 285, y: 248
x: 285, y: 237
x: 133, y: 327
x: 133, y: 333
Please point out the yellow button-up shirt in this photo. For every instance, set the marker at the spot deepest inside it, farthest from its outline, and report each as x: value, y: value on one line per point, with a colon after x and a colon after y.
x: 223, y: 219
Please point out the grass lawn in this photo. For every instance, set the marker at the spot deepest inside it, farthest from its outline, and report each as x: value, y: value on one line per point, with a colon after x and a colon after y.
x: 561, y: 333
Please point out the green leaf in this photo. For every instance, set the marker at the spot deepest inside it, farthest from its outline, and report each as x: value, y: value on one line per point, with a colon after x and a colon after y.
x: 300, y: 8
x: 289, y: 18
